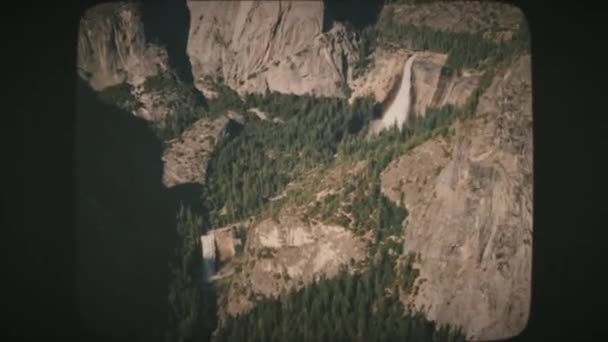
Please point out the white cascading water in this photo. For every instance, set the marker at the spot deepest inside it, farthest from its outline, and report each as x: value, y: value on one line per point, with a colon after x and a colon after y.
x: 399, y: 108
x: 208, y: 249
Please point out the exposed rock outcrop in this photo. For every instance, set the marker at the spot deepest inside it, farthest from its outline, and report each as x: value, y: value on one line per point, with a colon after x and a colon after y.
x: 185, y: 160
x: 289, y: 253
x: 469, y: 195
x: 228, y: 241
x: 438, y: 86
x: 470, y: 202
x: 253, y: 46
x: 379, y: 78
x: 112, y: 47
x: 432, y: 84
x: 113, y: 50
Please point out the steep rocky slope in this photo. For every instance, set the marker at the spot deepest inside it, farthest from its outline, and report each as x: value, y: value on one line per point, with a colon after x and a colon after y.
x: 468, y: 194
x: 286, y: 250
x: 116, y: 57
x: 112, y: 47
x: 470, y: 202
x: 254, y: 46
x: 286, y: 253
x: 185, y: 159
x: 438, y: 86
x: 258, y: 45
x: 433, y: 85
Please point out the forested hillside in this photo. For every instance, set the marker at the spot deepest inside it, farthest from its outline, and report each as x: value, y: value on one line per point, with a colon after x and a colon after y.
x: 308, y: 156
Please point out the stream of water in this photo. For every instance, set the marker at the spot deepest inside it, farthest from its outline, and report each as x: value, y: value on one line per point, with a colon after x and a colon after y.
x: 208, y: 249
x: 398, y: 110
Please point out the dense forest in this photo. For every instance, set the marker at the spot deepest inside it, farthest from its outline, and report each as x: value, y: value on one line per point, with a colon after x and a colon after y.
x: 258, y: 159
x: 256, y: 163
x: 464, y: 50
x: 192, y: 303
x: 249, y: 167
x: 246, y: 171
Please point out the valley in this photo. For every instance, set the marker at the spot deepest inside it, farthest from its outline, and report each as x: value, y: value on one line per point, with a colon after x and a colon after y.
x: 328, y: 178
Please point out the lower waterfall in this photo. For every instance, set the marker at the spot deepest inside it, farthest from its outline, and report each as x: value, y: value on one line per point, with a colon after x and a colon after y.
x: 208, y: 250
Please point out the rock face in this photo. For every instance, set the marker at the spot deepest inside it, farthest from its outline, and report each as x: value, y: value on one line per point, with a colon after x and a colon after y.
x: 258, y: 45
x: 112, y: 47
x: 225, y: 241
x: 432, y: 84
x: 185, y: 160
x: 228, y: 241
x: 288, y: 253
x: 435, y: 86
x: 380, y: 76
x: 113, y: 50
x: 469, y: 196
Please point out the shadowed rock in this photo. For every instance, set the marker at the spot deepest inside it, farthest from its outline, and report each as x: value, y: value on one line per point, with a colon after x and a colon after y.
x: 126, y: 221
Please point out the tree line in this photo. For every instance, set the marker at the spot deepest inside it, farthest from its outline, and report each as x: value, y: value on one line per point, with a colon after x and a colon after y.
x: 245, y: 171
x: 192, y: 302
x: 364, y: 306
x: 464, y: 49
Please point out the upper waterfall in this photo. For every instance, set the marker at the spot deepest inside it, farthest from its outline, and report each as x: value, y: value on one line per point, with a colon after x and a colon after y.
x: 398, y: 110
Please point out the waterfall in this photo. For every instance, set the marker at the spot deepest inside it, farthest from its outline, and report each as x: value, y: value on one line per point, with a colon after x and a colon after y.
x: 208, y: 250
x: 399, y: 108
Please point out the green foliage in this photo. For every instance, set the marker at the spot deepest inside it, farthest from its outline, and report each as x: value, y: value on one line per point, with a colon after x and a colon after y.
x: 160, y: 82
x: 119, y: 95
x: 368, y: 207
x: 465, y: 50
x: 227, y: 99
x: 434, y: 118
x: 256, y: 162
x: 346, y: 90
x: 361, y: 307
x: 409, y: 274
x: 192, y: 311
x: 330, y: 206
x: 185, y: 105
x: 367, y: 44
x: 392, y: 143
x: 246, y: 171
x: 175, y: 123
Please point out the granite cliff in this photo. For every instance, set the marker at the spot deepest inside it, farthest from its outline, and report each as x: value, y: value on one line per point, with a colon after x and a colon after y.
x: 467, y: 192
x: 470, y: 202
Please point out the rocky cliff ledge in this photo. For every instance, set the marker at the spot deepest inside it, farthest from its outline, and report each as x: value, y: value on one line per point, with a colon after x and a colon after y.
x: 257, y: 45
x: 112, y: 47
x: 470, y: 204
